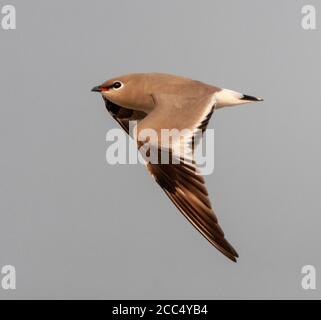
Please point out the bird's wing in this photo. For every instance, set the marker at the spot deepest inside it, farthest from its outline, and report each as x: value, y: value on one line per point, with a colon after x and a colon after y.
x: 123, y: 115
x: 182, y: 182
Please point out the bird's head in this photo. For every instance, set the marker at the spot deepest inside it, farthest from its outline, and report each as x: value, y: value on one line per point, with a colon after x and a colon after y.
x: 126, y: 91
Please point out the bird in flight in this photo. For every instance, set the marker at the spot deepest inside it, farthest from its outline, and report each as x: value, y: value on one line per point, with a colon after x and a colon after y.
x: 162, y: 101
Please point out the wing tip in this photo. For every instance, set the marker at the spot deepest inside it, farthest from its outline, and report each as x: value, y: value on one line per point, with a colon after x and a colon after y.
x: 232, y: 258
x: 226, y: 249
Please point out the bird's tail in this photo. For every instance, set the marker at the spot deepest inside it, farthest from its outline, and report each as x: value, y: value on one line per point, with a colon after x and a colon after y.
x: 228, y: 98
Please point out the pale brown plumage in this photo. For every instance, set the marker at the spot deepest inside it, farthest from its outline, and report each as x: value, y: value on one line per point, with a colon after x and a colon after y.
x: 160, y: 101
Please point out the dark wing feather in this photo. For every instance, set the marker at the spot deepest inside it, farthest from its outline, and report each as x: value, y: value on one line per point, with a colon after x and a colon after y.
x: 123, y: 115
x: 186, y: 188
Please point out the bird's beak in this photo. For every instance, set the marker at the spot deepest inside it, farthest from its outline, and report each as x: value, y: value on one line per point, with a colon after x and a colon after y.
x: 96, y: 89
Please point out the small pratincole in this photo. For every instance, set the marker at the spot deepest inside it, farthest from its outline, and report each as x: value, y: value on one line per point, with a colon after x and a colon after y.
x: 161, y: 101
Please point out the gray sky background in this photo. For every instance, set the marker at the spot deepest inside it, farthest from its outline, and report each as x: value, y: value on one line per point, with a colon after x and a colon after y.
x: 76, y: 227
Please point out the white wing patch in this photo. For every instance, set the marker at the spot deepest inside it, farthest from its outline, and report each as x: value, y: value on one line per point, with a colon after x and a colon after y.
x: 185, y: 149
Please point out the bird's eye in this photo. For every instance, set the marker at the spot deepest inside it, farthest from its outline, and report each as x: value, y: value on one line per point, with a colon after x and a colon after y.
x: 117, y: 85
